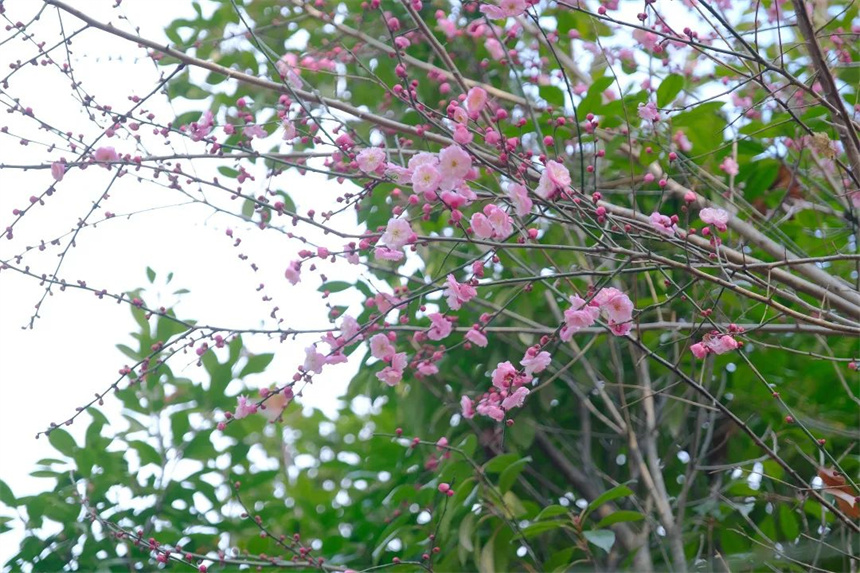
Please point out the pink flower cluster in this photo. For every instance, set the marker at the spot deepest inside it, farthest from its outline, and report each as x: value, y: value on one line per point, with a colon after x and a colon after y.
x: 382, y: 349
x: 719, y: 218
x: 714, y: 344
x: 615, y: 306
x: 555, y: 177
x: 492, y: 223
x: 458, y: 293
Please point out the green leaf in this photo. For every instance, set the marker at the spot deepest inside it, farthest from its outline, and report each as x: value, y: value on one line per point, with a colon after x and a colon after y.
x: 499, y: 463
x: 62, y: 441
x: 669, y: 89
x: 620, y: 516
x: 150, y: 274
x: 509, y: 474
x: 256, y: 364
x: 607, y: 496
x: 553, y: 95
x: 335, y: 286
x: 6, y: 495
x: 603, y: 538
x: 552, y: 511
x: 543, y: 526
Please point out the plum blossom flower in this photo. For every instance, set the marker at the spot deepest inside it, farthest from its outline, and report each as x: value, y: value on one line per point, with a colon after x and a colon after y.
x: 714, y: 344
x: 467, y: 407
x: 519, y: 196
x: 716, y: 217
x: 58, y: 170
x: 200, y: 129
x: 476, y: 99
x: 290, y: 132
x: 491, y: 411
x: 314, y: 361
x: 495, y: 48
x: 293, y: 272
x: 504, y: 9
x: 681, y: 140
x: 386, y: 254
x: 649, y: 112
x: 287, y: 69
x: 663, y: 224
x: 393, y: 374
x: 476, y: 337
x: 349, y: 327
x: 462, y: 135
x: 500, y: 221
x: 618, y: 308
x: 730, y: 166
x: 380, y: 347
x: 371, y: 160
x: 515, y: 399
x: 504, y: 375
x: 558, y: 174
x: 580, y: 315
x: 397, y: 234
x: 535, y: 363
x: 454, y: 165
x: 105, y: 155
x: 426, y: 178
x: 481, y: 226
x: 458, y: 293
x: 244, y: 408
x: 426, y: 368
x: 440, y: 327
x: 254, y: 130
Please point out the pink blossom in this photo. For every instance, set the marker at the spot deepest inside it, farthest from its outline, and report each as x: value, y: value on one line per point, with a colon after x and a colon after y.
x: 454, y: 165
x: 386, y: 254
x: 536, y: 363
x: 491, y: 411
x: 663, y: 224
x: 515, y: 399
x: 293, y: 272
x: 349, y: 327
x: 244, y: 408
x: 380, y: 347
x: 545, y: 187
x: 422, y: 158
x: 398, y: 233
x: 426, y: 178
x: 58, y: 170
x: 476, y: 337
x: 558, y: 174
x: 287, y: 69
x: 385, y: 302
x: 699, y: 350
x: 722, y: 344
x: 476, y: 101
x: 504, y: 375
x: 730, y: 166
x: 619, y: 308
x: 371, y: 160
x: 336, y: 358
x: 649, y: 112
x: 351, y: 254
x: 716, y: 217
x: 427, y: 368
x: 200, y: 129
x: 399, y: 175
x: 253, y: 130
x: 519, y: 196
x: 105, y: 155
x: 620, y: 329
x: 504, y: 9
x: 462, y: 135
x: 440, y: 327
x: 390, y: 376
x: 314, y: 361
x: 290, y: 132
x: 495, y: 48
x: 458, y: 293
x: 467, y: 407
x: 500, y: 221
x: 481, y: 226
x: 578, y: 316
x: 681, y: 140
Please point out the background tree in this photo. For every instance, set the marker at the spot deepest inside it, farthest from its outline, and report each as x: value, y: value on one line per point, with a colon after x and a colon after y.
x: 603, y: 300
